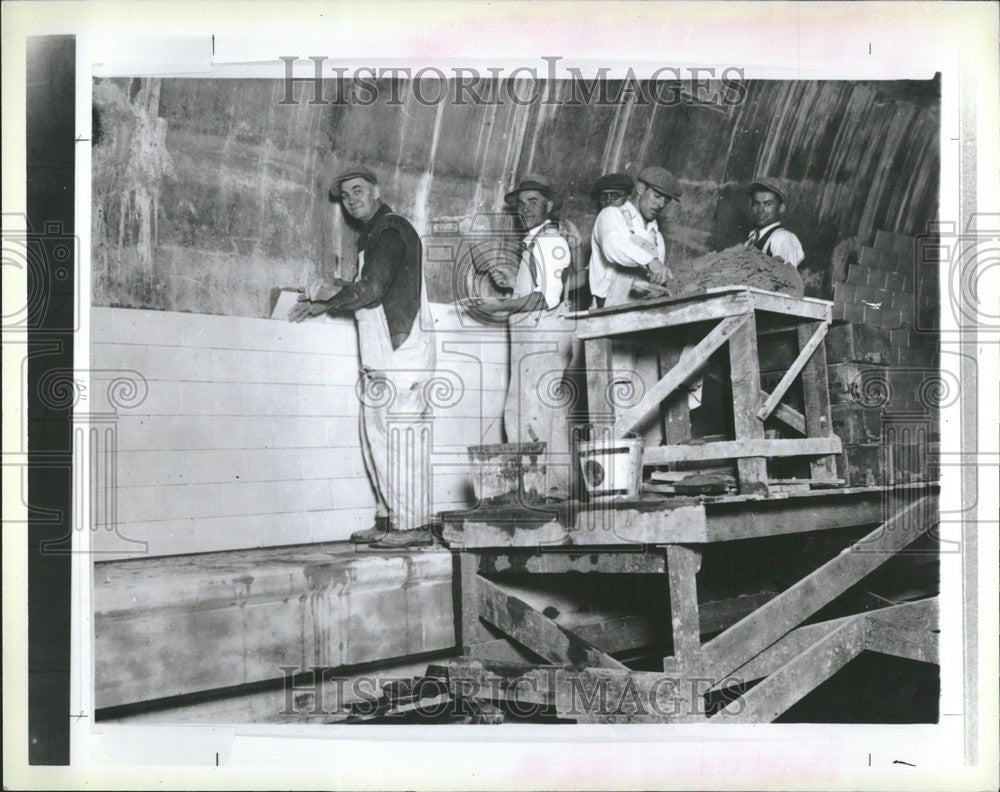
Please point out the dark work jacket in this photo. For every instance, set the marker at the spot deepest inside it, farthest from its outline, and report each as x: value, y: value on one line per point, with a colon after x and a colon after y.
x: 391, y: 276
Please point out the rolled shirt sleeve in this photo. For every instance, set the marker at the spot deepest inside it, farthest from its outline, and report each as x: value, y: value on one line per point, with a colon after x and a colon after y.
x: 785, y: 244
x: 617, y: 242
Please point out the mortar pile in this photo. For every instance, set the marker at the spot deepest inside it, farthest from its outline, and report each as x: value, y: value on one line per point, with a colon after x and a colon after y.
x: 736, y: 266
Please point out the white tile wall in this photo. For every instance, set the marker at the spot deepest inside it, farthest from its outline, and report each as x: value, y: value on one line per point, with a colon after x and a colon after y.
x: 249, y: 434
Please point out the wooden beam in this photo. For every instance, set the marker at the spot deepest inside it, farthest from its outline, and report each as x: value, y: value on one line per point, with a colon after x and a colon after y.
x: 468, y: 630
x: 692, y: 360
x: 600, y: 372
x: 805, y: 307
x: 749, y: 637
x: 788, y: 415
x: 907, y: 631
x: 628, y: 633
x: 537, y: 632
x: 816, y: 407
x: 801, y: 638
x: 734, y: 449
x: 745, y: 374
x: 682, y: 569
x: 799, y: 676
x: 805, y: 354
x: 650, y: 316
x: 560, y: 562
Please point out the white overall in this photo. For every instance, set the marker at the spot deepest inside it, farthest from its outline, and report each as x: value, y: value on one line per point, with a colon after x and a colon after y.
x: 395, y: 414
x: 538, y: 400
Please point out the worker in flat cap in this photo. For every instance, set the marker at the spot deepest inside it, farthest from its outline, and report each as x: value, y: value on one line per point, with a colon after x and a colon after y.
x: 767, y: 205
x: 541, y: 338
x: 389, y: 303
x: 612, y: 189
x: 626, y: 242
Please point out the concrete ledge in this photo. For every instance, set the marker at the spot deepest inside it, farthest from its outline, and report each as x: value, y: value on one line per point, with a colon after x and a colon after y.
x: 184, y: 624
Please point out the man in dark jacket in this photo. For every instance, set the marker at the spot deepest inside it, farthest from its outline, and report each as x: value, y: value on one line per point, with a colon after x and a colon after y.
x: 397, y: 350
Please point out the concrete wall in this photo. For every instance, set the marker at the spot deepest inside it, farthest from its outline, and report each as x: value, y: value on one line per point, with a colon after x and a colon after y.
x: 244, y: 432
x: 207, y: 193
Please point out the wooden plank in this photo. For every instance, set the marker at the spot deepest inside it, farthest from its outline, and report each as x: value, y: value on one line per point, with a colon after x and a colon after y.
x: 882, y: 635
x: 656, y: 302
x: 600, y: 372
x: 745, y: 374
x: 690, y: 361
x: 682, y: 569
x: 749, y: 637
x: 804, y: 307
x: 910, y: 616
x: 537, y: 632
x: 560, y: 563
x: 799, y: 676
x: 788, y: 415
x: 676, y: 413
x: 649, y: 316
x: 628, y: 633
x: 806, y: 352
x: 733, y: 449
x: 816, y: 393
x: 468, y: 630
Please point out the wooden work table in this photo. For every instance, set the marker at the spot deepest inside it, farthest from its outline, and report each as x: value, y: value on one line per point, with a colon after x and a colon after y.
x: 733, y: 316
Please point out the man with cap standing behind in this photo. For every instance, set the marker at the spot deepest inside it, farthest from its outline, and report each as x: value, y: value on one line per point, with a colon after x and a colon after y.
x: 541, y: 339
x: 626, y: 242
x: 767, y: 205
x: 397, y: 352
x: 612, y: 189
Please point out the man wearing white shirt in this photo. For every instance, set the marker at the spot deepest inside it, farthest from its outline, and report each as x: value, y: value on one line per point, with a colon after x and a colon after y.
x: 626, y: 242
x: 541, y: 338
x: 767, y: 205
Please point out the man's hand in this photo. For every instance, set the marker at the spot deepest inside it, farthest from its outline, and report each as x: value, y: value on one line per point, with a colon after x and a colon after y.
x: 503, y: 277
x: 305, y: 308
x: 659, y: 273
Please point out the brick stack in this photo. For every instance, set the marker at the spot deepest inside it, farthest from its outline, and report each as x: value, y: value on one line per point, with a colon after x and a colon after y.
x: 884, y: 384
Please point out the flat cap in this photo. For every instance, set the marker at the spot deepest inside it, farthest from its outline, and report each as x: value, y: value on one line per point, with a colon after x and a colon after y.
x: 762, y: 185
x: 661, y: 180
x: 613, y: 181
x: 354, y: 173
x: 534, y: 182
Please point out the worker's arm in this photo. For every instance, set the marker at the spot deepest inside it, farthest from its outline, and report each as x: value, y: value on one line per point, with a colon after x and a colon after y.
x: 505, y: 306
x: 786, y: 245
x: 617, y: 241
x: 382, y: 260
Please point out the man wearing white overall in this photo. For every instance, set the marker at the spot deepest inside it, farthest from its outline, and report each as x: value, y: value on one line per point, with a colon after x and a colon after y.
x: 389, y: 303
x: 541, y: 338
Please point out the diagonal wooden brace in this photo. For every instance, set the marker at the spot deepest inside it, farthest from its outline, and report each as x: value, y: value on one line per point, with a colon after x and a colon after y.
x: 536, y: 631
x: 755, y: 633
x: 689, y: 363
x: 794, y: 370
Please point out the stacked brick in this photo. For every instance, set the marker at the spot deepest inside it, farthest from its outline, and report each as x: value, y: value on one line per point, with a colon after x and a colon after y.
x: 885, y: 388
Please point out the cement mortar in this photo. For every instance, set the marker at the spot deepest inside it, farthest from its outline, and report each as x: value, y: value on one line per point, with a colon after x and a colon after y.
x: 736, y: 266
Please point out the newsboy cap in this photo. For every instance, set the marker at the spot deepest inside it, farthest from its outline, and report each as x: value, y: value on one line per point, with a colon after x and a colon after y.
x: 534, y: 182
x: 661, y: 180
x: 354, y: 173
x: 766, y: 186
x: 613, y: 181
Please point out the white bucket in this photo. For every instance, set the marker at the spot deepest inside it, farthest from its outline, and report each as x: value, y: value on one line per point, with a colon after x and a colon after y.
x: 611, y: 468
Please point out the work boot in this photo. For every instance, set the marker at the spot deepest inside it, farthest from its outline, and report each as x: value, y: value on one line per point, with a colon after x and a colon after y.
x: 415, y: 537
x: 374, y: 534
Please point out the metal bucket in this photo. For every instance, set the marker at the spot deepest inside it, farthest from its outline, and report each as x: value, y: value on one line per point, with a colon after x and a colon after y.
x: 508, y: 472
x: 611, y: 467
